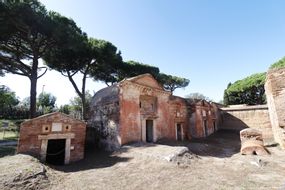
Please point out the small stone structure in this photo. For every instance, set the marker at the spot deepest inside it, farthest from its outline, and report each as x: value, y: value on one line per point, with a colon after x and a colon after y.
x: 54, y: 138
x: 252, y: 142
x: 139, y: 109
x: 275, y: 93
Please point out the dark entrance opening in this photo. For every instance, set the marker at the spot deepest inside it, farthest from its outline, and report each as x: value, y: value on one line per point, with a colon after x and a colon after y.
x: 214, y: 124
x: 179, y: 131
x: 55, y: 151
x: 149, y: 130
x: 206, y: 128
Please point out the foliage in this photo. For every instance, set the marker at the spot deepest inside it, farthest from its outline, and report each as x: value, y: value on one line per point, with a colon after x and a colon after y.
x: 75, y: 54
x: 278, y: 64
x: 108, y: 61
x: 249, y: 90
x: 25, y: 35
x: 75, y: 107
x: 65, y: 109
x: 133, y: 68
x: 46, y: 102
x: 170, y: 83
x: 197, y: 96
x: 8, y: 99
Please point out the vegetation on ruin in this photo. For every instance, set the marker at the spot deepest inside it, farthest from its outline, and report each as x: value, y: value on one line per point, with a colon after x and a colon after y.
x: 249, y: 90
x: 278, y: 64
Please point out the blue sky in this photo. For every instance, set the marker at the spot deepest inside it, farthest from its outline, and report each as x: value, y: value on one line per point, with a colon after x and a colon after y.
x: 210, y: 42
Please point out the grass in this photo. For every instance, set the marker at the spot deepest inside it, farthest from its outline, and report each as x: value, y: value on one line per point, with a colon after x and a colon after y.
x: 9, y: 135
x: 11, y: 132
x: 7, y: 150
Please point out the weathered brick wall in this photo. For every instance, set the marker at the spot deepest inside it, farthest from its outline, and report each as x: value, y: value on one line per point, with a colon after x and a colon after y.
x: 203, y: 113
x: 178, y: 114
x: 275, y: 93
x: 133, y: 117
x: 103, y: 125
x: 29, y: 142
x: 241, y: 117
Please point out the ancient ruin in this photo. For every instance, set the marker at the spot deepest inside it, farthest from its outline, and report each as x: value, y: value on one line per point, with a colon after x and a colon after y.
x: 139, y: 109
x: 54, y: 138
x: 252, y: 142
x: 275, y: 93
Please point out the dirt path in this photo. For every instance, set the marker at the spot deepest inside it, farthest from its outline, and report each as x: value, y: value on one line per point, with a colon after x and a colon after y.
x: 218, y: 165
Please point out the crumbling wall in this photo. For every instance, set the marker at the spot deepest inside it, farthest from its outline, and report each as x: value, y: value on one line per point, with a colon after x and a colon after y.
x: 104, y: 121
x: 204, y: 119
x: 241, y: 116
x: 178, y: 114
x: 275, y: 93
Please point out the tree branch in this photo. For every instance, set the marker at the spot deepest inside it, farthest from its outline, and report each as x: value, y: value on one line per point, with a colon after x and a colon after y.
x: 74, y: 84
x: 43, y: 72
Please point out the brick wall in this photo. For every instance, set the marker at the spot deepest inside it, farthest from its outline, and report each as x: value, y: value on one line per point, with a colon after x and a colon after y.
x: 241, y: 117
x: 29, y: 142
x: 275, y: 93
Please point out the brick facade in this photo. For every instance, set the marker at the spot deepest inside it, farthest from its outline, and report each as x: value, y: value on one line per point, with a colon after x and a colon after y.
x: 139, y: 109
x: 36, y: 133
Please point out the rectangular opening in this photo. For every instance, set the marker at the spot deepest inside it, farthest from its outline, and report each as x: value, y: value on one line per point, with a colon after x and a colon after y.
x: 56, y: 151
x: 179, y: 132
x: 149, y: 130
x: 205, y: 128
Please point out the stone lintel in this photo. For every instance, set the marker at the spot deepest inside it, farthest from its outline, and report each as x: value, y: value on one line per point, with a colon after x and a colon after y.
x: 57, y: 136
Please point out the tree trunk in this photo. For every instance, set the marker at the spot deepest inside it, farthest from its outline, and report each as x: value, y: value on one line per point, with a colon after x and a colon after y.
x: 33, y: 92
x: 83, y: 99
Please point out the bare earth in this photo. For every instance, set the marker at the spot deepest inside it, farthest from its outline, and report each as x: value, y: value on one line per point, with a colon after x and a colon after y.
x: 212, y: 163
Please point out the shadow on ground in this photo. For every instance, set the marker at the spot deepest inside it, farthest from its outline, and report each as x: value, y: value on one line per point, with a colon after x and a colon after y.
x: 223, y: 143
x: 93, y: 159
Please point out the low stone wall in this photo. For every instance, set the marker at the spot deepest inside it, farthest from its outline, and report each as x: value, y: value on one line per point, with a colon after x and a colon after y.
x: 275, y: 93
x: 241, y: 117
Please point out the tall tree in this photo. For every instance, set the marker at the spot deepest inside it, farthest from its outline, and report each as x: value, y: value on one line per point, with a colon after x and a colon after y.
x: 71, y: 54
x: 25, y: 35
x: 249, y: 90
x: 75, y: 54
x: 46, y: 101
x: 170, y: 83
x: 8, y: 99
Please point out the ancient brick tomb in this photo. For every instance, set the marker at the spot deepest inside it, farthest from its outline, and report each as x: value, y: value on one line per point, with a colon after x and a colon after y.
x: 138, y: 109
x: 54, y: 138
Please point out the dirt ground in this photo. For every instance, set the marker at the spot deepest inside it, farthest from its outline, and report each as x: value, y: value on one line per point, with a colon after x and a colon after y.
x: 212, y: 163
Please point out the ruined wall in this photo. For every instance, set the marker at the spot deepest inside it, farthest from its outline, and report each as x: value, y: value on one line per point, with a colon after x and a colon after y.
x: 179, y: 114
x: 103, y: 125
x: 242, y: 116
x: 30, y: 132
x: 204, y: 119
x: 275, y: 93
